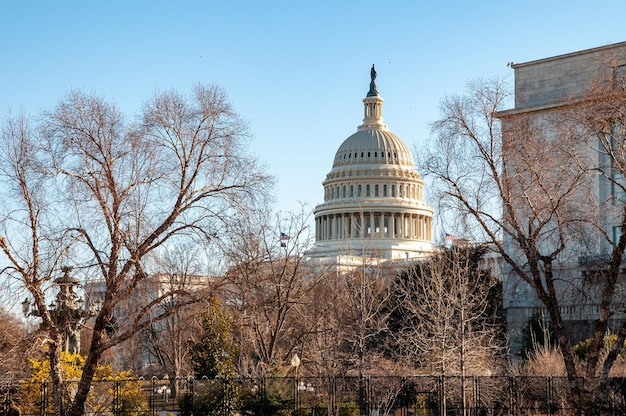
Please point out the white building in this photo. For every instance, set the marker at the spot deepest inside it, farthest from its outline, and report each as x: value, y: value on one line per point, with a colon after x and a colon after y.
x: 373, y: 196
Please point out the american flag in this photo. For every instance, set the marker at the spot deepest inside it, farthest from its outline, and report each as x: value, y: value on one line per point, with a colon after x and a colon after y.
x: 284, y: 237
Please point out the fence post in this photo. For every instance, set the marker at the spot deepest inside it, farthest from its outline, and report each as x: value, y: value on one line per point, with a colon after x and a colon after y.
x: 42, y: 393
x: 476, y: 401
x: 549, y: 409
x: 512, y: 394
x: 153, y: 406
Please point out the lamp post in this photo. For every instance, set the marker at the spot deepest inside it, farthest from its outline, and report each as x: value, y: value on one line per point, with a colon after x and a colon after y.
x: 66, y: 311
x: 295, y: 362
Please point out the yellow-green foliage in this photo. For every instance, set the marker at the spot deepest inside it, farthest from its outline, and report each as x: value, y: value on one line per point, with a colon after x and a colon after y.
x: 100, y: 398
x: 582, y: 348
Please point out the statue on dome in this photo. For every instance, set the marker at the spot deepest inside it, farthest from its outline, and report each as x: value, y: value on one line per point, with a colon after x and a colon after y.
x: 373, y: 92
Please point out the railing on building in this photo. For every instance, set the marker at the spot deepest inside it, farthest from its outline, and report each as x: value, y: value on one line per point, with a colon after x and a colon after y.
x: 311, y: 396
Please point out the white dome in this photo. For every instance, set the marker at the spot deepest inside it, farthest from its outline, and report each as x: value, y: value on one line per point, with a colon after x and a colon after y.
x: 373, y: 195
x: 373, y: 146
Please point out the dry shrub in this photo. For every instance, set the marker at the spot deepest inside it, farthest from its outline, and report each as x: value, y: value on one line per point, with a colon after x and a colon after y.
x: 545, y: 361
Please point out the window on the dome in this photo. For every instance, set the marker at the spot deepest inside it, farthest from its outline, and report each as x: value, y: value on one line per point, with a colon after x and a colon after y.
x: 375, y: 154
x: 367, y: 190
x: 358, y: 192
x: 393, y: 190
x: 384, y: 190
x: 361, y: 154
x: 344, y: 191
x: 351, y: 191
x: 375, y: 190
x: 368, y: 154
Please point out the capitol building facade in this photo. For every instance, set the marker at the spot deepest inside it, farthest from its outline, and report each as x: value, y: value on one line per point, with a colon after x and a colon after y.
x: 373, y: 196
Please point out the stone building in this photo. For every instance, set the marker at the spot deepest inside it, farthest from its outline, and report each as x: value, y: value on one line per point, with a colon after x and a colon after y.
x: 543, y: 89
x: 373, y: 196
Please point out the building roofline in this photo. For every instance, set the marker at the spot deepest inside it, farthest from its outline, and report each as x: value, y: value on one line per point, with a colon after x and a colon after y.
x: 568, y: 55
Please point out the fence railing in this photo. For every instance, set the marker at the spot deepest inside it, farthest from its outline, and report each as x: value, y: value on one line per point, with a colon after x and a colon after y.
x: 311, y: 396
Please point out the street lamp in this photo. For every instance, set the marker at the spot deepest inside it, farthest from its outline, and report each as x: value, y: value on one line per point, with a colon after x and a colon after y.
x: 295, y: 362
x: 66, y: 311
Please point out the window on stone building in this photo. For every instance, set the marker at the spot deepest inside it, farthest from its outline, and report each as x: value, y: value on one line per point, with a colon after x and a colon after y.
x: 358, y: 192
x: 367, y: 190
x: 620, y: 77
x: 375, y: 190
x: 384, y: 190
x: 618, y: 182
x: 351, y: 191
x: 617, y: 233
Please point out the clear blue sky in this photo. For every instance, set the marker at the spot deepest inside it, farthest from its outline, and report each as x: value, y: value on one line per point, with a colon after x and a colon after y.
x: 297, y: 70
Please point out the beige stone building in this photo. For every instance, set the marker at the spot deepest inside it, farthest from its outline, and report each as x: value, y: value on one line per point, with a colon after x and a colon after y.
x: 542, y: 88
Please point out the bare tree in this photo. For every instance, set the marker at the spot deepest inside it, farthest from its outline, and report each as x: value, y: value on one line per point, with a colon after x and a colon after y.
x: 527, y: 190
x: 362, y: 294
x: 267, y: 286
x: 164, y: 342
x: 14, y: 342
x: 445, y: 315
x: 91, y: 189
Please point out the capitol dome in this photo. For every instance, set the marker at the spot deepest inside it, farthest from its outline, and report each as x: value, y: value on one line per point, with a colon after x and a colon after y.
x: 373, y: 195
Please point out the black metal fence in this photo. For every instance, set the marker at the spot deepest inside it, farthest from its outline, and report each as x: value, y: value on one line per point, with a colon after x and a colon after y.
x: 311, y: 396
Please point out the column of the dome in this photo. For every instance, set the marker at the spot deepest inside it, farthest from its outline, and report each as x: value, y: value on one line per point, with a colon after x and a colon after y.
x: 430, y: 229
x: 339, y: 226
x: 375, y: 224
x: 362, y: 225
x: 317, y: 228
x: 419, y: 228
x: 326, y: 228
x: 384, y: 230
x: 342, y: 226
x: 352, y: 225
